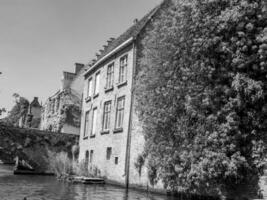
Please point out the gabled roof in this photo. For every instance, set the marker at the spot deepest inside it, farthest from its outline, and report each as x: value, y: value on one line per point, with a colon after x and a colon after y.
x: 132, y: 32
x: 124, y: 39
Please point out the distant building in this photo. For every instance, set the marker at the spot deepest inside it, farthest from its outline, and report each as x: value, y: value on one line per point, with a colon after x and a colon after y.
x: 111, y: 137
x: 62, y: 111
x: 33, y: 117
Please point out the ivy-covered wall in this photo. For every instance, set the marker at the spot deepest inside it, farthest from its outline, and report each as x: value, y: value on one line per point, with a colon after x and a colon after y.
x: 62, y: 113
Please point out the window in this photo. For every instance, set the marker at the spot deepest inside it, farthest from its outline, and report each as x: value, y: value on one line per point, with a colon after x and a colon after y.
x: 106, y: 115
x: 86, y: 158
x: 91, y: 156
x: 97, y: 81
x: 90, y: 88
x: 94, y: 120
x: 58, y: 103
x: 123, y: 68
x: 120, y: 112
x: 109, y: 152
x: 86, y: 124
x: 110, y: 75
x: 52, y: 106
x: 116, y: 160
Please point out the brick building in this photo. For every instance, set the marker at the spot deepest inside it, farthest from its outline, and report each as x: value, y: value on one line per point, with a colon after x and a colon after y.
x: 62, y: 111
x: 111, y: 138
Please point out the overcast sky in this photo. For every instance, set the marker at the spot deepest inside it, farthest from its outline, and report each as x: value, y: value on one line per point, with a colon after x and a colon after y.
x: 41, y: 38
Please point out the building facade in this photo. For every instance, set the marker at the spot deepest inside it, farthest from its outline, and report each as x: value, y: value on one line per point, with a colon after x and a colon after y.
x: 62, y: 111
x: 33, y: 117
x: 111, y: 137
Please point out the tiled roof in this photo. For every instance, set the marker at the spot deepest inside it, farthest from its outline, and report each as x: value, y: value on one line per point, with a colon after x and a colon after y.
x: 132, y: 32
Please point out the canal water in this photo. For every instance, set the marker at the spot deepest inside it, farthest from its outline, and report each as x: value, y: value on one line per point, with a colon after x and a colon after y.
x: 15, y: 187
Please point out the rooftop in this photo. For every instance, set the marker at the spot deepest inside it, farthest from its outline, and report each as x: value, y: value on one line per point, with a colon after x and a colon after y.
x: 131, y: 32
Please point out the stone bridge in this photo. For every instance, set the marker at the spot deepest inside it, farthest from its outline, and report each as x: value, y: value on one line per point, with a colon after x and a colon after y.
x: 33, y: 146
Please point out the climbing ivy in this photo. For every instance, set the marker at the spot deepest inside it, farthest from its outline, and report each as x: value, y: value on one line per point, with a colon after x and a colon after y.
x: 201, y: 94
x: 70, y: 114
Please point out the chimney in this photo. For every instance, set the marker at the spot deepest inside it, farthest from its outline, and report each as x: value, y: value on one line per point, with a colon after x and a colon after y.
x: 105, y: 47
x: 78, y: 67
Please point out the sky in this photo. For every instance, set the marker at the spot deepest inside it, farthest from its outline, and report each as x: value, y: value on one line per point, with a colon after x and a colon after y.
x: 41, y: 38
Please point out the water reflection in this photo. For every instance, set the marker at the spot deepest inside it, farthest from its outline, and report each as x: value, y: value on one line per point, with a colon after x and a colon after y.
x: 14, y: 187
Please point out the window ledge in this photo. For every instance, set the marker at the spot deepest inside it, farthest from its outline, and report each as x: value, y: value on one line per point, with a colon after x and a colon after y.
x: 121, y: 84
x: 109, y: 89
x: 118, y: 130
x: 87, y: 99
x: 92, y: 136
x: 96, y: 95
x: 85, y: 138
x: 105, y: 132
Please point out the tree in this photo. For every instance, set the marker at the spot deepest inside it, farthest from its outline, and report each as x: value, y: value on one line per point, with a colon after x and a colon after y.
x: 19, y: 110
x: 2, y: 110
x: 202, y: 94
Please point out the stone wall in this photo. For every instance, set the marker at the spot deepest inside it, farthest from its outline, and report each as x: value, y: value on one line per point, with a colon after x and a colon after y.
x: 139, y: 174
x: 70, y: 94
x: 117, y: 140
x: 57, y: 118
x: 33, y: 145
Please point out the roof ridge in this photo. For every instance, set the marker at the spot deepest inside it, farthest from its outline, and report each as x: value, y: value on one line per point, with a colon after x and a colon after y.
x: 132, y: 31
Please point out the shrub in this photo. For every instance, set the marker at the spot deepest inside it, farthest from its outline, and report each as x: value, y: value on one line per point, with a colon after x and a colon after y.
x: 63, y: 166
x: 60, y: 164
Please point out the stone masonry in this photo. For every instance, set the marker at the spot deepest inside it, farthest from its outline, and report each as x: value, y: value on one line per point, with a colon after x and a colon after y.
x: 62, y: 111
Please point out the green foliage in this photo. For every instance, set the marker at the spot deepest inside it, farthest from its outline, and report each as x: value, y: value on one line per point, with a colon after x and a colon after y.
x: 19, y: 110
x: 70, y: 114
x: 140, y: 161
x: 201, y: 92
x: 63, y: 166
x: 60, y: 163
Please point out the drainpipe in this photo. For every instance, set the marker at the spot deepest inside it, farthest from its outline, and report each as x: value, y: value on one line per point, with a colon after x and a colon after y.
x: 128, y: 145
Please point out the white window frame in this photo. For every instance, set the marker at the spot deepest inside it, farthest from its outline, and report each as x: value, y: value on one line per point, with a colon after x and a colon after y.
x: 86, y: 124
x: 94, y: 121
x: 106, y: 116
x: 97, y: 83
x: 110, y: 76
x: 123, y: 66
x: 120, y: 113
x: 90, y: 87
